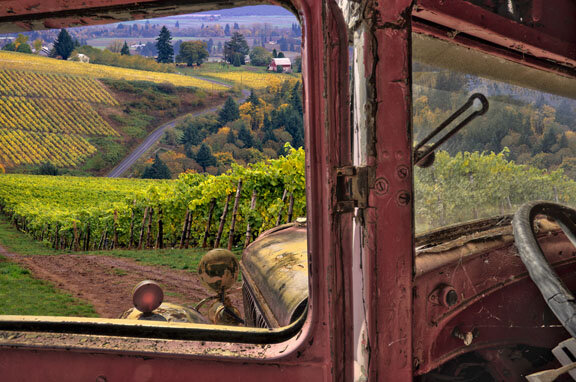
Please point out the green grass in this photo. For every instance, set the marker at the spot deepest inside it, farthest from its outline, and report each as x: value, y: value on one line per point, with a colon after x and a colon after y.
x: 17, y: 242
x: 182, y: 259
x: 21, y: 294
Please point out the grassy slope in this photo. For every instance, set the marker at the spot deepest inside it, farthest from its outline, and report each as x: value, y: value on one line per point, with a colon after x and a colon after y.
x: 30, y: 62
x: 21, y: 294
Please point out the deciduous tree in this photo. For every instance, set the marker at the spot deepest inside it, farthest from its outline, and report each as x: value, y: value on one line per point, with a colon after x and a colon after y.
x: 192, y: 53
x: 260, y: 56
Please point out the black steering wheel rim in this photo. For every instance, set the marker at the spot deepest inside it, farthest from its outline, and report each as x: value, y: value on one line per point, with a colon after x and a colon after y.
x: 558, y: 297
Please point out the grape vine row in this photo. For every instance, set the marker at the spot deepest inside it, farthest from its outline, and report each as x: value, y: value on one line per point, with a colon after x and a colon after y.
x: 99, y: 213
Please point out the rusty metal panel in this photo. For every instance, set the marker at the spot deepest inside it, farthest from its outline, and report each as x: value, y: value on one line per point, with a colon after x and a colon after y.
x: 549, y: 35
x: 319, y: 350
x: 480, y: 264
x: 388, y: 236
x: 276, y: 268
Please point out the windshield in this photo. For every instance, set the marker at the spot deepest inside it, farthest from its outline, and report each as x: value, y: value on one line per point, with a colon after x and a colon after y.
x: 523, y: 148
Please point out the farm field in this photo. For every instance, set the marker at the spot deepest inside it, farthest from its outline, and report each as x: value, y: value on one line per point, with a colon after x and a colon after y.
x: 74, y: 115
x: 249, y: 79
x: 49, y: 118
x: 17, y: 61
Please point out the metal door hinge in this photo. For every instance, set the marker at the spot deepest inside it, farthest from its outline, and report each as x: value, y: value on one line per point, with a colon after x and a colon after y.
x: 352, y: 187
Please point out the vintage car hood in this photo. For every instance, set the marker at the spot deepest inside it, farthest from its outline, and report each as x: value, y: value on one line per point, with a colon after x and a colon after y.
x: 275, y: 267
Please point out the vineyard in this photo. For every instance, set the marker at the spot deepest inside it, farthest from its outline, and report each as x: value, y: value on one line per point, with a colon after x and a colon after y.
x: 25, y: 147
x: 253, y: 80
x: 231, y: 209
x: 476, y: 185
x: 47, y: 118
x: 38, y: 64
x: 196, y: 209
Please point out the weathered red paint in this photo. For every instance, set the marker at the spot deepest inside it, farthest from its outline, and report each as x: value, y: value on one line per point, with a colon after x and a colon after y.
x: 407, y: 334
x: 491, y: 283
x: 552, y: 37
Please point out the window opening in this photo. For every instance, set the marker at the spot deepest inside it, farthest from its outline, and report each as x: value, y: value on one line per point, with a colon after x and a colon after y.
x: 521, y: 149
x: 129, y: 150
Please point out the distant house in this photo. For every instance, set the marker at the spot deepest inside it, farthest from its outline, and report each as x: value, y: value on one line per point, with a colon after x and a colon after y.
x: 45, y: 51
x: 285, y: 63
x: 80, y: 58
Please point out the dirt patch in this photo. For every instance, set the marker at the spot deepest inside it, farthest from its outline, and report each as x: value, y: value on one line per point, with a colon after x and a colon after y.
x: 106, y: 282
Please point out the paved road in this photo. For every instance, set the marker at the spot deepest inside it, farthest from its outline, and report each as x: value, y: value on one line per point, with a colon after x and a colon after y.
x: 155, y: 136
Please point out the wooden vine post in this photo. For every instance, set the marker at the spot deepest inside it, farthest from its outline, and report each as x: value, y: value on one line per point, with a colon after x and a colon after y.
x: 149, y: 229
x: 248, y: 225
x: 160, y: 236
x: 75, y: 242
x: 141, y: 239
x: 234, y: 213
x: 222, y: 221
x: 208, y: 223
x: 87, y: 238
x: 184, y: 228
x: 279, y: 220
x: 131, y: 234
x: 290, y: 208
x: 187, y: 241
x: 115, y: 230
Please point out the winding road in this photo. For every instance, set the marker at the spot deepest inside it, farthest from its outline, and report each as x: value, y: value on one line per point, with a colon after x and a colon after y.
x: 155, y: 136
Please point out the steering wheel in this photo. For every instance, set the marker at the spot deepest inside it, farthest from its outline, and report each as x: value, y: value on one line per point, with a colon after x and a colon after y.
x: 558, y: 297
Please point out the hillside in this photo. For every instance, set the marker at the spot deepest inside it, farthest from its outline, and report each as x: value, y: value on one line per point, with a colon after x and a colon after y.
x: 38, y: 64
x: 84, y: 116
x: 244, y: 133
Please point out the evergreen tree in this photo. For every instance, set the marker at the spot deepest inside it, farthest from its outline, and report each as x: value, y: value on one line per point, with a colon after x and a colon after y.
x: 296, y: 98
x: 204, y: 157
x: 237, y: 59
x: 10, y: 47
x: 158, y: 170
x: 164, y: 46
x: 47, y: 168
x: 231, y: 138
x: 229, y: 112
x: 565, y: 114
x: 253, y: 99
x: 245, y: 136
x: 210, y: 46
x: 191, y: 136
x: 236, y: 26
x: 236, y: 48
x: 177, y: 24
x: 227, y: 30
x: 274, y: 53
x: 64, y: 45
x: 125, y: 50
